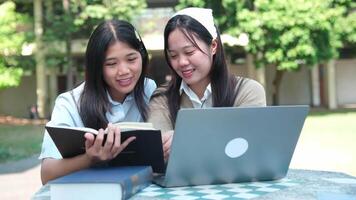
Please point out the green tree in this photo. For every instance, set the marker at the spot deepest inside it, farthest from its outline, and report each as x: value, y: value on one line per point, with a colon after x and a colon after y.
x: 224, y: 10
x: 12, y: 37
x: 285, y: 34
x: 289, y: 34
x: 346, y: 25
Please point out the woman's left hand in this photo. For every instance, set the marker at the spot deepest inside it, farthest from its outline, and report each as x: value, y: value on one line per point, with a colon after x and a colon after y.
x: 166, y: 143
x: 98, y: 152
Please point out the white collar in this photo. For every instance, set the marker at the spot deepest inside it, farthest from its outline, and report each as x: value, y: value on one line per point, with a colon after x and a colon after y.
x: 191, y: 94
x: 113, y: 102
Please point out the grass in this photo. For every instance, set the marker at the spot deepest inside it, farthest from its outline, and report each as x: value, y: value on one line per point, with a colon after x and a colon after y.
x: 327, y: 142
x: 17, y: 142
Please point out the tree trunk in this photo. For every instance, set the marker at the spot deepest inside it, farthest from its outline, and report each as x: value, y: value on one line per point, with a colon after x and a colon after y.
x: 276, y: 85
x: 41, y: 90
x: 70, y: 78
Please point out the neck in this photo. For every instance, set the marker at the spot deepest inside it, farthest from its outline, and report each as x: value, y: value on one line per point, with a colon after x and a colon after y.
x: 117, y: 97
x: 199, y: 88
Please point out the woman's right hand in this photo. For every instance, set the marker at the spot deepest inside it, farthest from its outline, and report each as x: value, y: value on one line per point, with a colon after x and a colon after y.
x: 97, y: 152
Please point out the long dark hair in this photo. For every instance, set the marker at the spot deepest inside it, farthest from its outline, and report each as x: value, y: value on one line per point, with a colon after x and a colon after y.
x: 94, y: 102
x: 223, y: 83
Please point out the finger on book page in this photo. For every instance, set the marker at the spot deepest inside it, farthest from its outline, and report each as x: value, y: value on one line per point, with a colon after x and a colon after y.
x: 109, y: 138
x: 98, y: 143
x: 117, y: 141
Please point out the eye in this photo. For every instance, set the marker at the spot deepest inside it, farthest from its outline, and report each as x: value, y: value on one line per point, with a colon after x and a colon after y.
x: 171, y: 55
x: 132, y: 59
x: 189, y: 52
x: 110, y: 64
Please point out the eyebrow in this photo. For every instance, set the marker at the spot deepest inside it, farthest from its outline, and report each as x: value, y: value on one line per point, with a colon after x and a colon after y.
x: 185, y: 47
x: 128, y: 55
x: 109, y: 59
x: 132, y: 54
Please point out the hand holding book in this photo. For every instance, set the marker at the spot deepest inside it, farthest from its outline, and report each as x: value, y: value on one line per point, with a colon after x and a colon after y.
x: 146, y: 149
x: 99, y: 150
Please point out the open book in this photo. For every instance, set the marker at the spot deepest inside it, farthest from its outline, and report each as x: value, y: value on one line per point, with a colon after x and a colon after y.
x: 146, y: 149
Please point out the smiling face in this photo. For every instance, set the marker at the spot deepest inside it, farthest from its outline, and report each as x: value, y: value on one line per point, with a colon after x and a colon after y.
x: 192, y: 64
x: 122, y: 69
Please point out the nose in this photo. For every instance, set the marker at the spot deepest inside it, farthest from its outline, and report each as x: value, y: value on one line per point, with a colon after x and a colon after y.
x: 123, y: 69
x: 183, y: 61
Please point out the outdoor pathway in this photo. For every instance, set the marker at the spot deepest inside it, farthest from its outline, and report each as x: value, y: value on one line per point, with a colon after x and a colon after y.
x: 20, y: 180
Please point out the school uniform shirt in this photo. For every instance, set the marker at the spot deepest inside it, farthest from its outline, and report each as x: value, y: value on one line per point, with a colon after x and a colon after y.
x: 65, y: 113
x: 251, y: 93
x: 205, y: 102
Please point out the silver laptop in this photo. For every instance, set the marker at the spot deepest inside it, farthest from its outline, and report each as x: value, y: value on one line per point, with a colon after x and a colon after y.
x: 229, y: 145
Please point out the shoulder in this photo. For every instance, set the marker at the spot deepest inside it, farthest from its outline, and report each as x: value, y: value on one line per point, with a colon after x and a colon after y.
x: 149, y: 83
x: 159, y: 96
x: 65, y: 111
x: 150, y: 87
x: 68, y: 96
x: 250, y: 84
x: 250, y: 92
x: 161, y: 90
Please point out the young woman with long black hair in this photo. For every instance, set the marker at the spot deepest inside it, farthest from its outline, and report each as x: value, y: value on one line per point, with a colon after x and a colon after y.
x: 200, y: 76
x: 115, y: 90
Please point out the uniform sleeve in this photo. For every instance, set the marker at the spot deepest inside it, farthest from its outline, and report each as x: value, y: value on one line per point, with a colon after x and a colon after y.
x: 64, y: 113
x: 250, y: 94
x: 158, y: 114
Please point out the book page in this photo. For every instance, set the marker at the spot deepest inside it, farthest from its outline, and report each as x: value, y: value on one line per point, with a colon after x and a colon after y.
x: 83, y: 129
x: 126, y: 126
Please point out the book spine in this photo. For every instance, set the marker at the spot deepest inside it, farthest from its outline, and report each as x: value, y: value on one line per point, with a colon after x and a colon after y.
x: 137, y: 182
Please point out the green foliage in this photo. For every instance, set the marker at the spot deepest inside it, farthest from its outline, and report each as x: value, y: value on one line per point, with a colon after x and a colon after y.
x: 79, y: 21
x: 287, y: 33
x: 9, y: 77
x: 291, y: 32
x: 83, y: 16
x: 121, y: 9
x: 12, y: 37
x: 346, y: 26
x: 224, y: 10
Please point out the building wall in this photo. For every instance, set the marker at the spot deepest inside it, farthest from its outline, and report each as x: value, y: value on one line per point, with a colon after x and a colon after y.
x: 346, y: 81
x: 239, y: 70
x: 295, y: 87
x: 17, y: 101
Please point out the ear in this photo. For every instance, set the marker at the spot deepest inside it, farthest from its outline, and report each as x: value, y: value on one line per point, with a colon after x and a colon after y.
x: 214, y: 46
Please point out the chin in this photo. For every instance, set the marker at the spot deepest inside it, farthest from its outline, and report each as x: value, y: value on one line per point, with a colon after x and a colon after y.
x: 190, y: 81
x: 127, y: 91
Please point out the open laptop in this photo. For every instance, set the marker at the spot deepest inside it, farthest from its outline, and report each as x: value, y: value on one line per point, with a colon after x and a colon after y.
x: 228, y: 145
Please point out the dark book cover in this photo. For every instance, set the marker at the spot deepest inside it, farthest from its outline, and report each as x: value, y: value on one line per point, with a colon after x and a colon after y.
x: 146, y: 149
